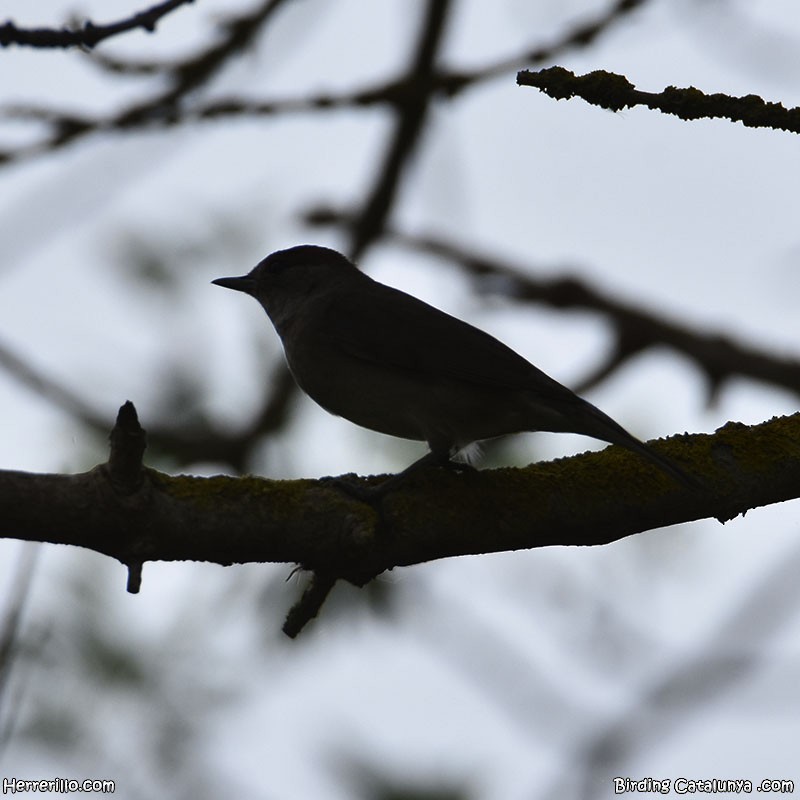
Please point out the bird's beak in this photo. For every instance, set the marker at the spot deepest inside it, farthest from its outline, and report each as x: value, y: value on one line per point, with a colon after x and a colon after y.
x: 244, y: 284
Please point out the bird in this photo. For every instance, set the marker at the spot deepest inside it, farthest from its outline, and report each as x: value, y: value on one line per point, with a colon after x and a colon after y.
x: 390, y: 362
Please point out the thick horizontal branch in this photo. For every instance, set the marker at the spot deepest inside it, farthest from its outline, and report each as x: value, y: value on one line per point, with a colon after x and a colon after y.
x: 615, y: 92
x: 89, y: 34
x: 591, y: 499
x: 134, y: 514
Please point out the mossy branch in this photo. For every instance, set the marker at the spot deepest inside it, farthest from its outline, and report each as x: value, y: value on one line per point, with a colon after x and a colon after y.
x: 615, y: 92
x: 135, y: 514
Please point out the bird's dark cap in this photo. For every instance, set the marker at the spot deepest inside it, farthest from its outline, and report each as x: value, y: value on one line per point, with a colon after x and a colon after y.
x: 302, y: 255
x: 269, y: 270
x: 245, y: 283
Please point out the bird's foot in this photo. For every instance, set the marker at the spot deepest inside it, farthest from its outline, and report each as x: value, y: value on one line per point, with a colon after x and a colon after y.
x: 458, y: 466
x: 360, y: 491
x: 370, y: 493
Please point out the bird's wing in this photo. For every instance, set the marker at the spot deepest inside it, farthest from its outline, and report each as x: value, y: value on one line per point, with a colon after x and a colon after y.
x: 393, y: 328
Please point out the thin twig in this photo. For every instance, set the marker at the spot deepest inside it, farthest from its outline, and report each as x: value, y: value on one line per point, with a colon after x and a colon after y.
x: 164, y: 110
x: 90, y: 34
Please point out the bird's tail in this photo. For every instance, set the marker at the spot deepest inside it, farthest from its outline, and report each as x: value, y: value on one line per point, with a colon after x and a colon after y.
x: 599, y: 425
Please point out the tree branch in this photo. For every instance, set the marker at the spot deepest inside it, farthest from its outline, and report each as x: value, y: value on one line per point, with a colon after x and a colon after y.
x: 196, y: 440
x: 182, y: 78
x: 581, y: 35
x: 308, y: 606
x: 615, y: 92
x: 591, y: 499
x: 66, y: 126
x: 90, y: 34
x: 411, y: 108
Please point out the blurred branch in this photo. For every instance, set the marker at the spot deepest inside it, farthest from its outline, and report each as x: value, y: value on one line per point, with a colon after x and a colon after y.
x: 719, y: 356
x: 728, y: 657
x: 581, y: 35
x: 442, y: 81
x: 411, y: 109
x: 9, y: 636
x: 19, y: 369
x: 204, y: 442
x: 90, y: 34
x: 436, y: 514
x: 414, y: 93
x: 126, y: 66
x: 183, y: 77
x: 199, y: 441
x: 615, y: 92
x: 188, y: 76
x: 68, y: 126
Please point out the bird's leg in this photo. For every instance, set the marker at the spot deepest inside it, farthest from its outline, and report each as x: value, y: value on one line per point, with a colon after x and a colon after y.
x: 435, y: 458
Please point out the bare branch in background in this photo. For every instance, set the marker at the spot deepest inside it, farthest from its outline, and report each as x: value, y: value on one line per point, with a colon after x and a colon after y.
x: 18, y: 595
x: 196, y: 442
x: 411, y: 111
x: 90, y: 34
x: 183, y: 77
x: 67, y: 127
x: 581, y: 35
x: 21, y: 370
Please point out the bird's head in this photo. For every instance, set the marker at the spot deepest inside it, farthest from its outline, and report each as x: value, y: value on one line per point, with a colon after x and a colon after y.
x: 287, y: 279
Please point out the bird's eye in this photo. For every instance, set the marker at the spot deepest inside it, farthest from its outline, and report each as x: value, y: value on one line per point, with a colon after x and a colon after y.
x: 272, y: 268
x: 279, y: 266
